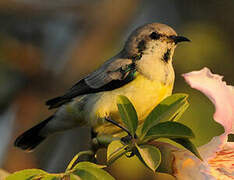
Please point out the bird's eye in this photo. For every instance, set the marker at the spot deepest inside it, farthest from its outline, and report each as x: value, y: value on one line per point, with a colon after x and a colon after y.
x: 154, y: 35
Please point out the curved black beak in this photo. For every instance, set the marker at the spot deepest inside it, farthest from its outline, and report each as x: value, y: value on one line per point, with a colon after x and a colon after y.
x: 178, y: 39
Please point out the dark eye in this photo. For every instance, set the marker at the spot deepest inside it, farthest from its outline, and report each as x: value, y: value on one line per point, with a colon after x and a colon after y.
x: 154, y: 35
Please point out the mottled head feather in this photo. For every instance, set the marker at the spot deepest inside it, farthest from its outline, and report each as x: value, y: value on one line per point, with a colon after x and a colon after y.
x: 138, y: 39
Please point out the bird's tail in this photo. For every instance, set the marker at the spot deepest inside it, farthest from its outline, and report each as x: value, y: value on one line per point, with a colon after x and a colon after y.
x: 32, y: 137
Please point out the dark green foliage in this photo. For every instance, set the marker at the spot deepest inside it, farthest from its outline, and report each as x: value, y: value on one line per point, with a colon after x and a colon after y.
x: 160, y: 123
x: 128, y: 114
x: 81, y: 171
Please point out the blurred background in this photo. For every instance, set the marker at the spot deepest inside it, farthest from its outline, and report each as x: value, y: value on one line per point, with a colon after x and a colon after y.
x: 47, y: 46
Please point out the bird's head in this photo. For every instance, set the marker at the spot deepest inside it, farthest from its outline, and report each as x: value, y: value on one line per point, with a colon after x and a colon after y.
x: 153, y: 38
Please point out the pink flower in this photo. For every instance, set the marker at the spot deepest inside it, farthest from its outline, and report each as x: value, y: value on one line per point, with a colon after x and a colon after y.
x: 218, y: 154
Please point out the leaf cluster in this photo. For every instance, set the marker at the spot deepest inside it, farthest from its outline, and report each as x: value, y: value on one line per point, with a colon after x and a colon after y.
x: 160, y: 123
x: 81, y: 171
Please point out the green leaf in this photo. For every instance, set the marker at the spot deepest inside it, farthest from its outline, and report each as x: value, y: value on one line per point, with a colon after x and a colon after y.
x: 180, y: 111
x: 25, y: 174
x: 105, y: 140
x: 170, y: 108
x: 188, y: 145
x: 128, y: 113
x: 50, y: 177
x: 91, y: 171
x: 167, y: 157
x: 86, y: 164
x: 74, y: 177
x: 74, y: 159
x: 230, y: 138
x: 169, y: 129
x: 85, y: 175
x: 164, y: 176
x: 115, y: 150
x: 150, y: 155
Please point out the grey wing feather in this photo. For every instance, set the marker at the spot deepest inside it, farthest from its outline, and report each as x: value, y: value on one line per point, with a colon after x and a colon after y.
x: 112, y: 74
x: 107, y: 72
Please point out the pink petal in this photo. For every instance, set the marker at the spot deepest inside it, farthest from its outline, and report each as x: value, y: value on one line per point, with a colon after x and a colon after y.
x: 218, y: 92
x: 222, y: 165
x: 188, y: 167
x: 222, y: 96
x: 217, y: 150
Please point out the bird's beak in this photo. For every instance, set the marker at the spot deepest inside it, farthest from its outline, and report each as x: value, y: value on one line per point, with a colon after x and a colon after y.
x: 178, y: 39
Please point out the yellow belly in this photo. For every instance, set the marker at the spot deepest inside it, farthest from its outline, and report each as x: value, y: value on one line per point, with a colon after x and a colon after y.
x: 143, y: 93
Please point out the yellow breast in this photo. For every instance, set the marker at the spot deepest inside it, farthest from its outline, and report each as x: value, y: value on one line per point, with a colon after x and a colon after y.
x: 145, y: 94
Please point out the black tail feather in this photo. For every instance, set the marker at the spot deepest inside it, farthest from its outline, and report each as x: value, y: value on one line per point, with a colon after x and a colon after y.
x: 56, y: 102
x: 32, y: 137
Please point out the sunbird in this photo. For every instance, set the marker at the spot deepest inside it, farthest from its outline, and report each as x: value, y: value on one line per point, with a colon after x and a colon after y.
x: 142, y: 71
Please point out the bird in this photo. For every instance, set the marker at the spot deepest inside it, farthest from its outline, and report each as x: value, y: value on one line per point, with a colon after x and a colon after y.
x: 142, y: 71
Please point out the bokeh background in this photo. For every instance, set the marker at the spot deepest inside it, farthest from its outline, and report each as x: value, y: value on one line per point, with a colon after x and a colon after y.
x: 47, y: 46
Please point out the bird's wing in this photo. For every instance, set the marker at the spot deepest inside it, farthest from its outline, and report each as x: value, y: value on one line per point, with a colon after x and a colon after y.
x: 111, y: 75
